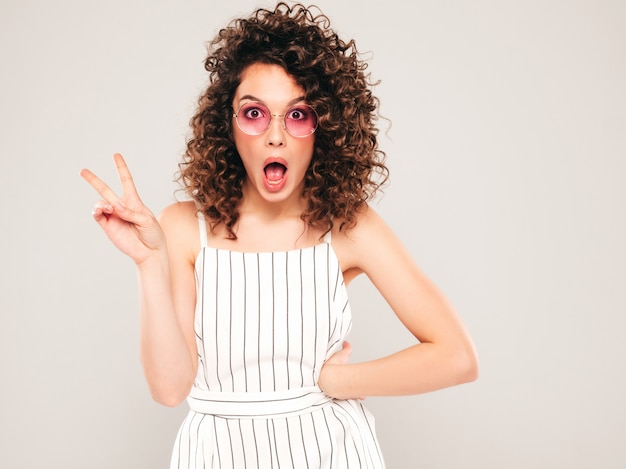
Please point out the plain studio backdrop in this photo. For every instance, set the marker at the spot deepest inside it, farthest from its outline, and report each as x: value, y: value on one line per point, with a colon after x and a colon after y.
x: 507, y: 152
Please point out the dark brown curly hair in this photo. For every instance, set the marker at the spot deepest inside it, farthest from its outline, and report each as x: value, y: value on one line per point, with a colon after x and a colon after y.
x: 347, y: 167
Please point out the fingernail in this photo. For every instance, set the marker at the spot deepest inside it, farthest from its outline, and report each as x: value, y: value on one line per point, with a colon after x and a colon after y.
x: 96, y: 207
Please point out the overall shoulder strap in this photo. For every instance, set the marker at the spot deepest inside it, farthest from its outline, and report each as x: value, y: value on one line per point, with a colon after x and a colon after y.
x: 202, y: 229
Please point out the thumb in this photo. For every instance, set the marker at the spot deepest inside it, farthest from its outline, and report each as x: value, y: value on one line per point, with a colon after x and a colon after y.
x: 343, y: 355
x: 136, y: 217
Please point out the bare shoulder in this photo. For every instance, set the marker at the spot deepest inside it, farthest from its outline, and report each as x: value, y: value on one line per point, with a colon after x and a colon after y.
x: 373, y: 248
x: 180, y: 225
x: 179, y: 209
x: 365, y: 243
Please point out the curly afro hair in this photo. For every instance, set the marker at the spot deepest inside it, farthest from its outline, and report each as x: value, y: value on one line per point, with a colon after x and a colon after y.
x: 347, y: 167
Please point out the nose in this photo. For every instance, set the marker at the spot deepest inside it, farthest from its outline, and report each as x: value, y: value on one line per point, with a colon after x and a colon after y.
x: 276, y: 131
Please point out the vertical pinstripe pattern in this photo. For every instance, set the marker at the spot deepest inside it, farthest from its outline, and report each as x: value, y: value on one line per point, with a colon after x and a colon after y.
x: 265, y: 322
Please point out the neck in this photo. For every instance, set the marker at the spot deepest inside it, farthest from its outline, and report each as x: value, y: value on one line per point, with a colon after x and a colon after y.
x: 253, y: 204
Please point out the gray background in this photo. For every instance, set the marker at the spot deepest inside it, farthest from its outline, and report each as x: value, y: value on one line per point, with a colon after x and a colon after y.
x: 508, y: 158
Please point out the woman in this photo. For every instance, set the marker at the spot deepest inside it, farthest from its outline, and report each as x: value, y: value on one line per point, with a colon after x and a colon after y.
x: 244, y: 309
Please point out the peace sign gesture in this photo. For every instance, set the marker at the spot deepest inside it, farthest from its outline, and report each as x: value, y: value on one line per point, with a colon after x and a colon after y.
x: 128, y: 223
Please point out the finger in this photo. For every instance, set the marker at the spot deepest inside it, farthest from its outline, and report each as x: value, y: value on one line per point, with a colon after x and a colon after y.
x: 103, y: 206
x: 136, y: 217
x: 128, y: 185
x: 101, y: 212
x: 99, y: 209
x: 99, y: 185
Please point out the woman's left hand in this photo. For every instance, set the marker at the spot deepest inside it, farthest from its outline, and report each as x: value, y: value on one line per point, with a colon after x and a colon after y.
x: 332, y: 369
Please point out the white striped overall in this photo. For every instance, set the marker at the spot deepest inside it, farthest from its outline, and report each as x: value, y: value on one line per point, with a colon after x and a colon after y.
x: 265, y: 322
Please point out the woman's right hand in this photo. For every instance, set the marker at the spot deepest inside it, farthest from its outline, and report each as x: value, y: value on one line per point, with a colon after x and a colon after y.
x: 128, y: 223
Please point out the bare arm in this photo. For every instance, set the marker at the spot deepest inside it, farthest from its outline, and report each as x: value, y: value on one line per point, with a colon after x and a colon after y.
x: 444, y: 354
x: 166, y: 284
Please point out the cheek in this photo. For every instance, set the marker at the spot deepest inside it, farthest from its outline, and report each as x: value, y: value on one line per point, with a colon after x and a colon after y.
x: 244, y: 143
x: 306, y: 151
x: 309, y: 150
x: 237, y: 134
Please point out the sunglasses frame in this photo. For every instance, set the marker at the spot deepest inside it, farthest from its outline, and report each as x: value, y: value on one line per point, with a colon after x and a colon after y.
x: 272, y: 116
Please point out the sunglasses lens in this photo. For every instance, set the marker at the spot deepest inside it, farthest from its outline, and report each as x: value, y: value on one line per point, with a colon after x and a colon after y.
x: 253, y: 118
x: 301, y: 121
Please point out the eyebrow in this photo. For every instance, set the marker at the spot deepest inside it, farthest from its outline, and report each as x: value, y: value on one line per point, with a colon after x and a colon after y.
x: 254, y: 98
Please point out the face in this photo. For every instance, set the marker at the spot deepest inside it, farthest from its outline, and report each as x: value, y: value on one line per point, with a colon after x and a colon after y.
x: 275, y: 161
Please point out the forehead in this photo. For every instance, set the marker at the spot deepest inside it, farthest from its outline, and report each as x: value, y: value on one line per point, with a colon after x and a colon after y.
x: 268, y: 83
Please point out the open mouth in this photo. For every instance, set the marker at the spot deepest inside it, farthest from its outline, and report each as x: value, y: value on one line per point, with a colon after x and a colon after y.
x: 275, y: 172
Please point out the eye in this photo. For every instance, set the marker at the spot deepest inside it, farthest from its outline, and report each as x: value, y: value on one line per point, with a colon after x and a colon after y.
x: 254, y: 112
x: 301, y: 113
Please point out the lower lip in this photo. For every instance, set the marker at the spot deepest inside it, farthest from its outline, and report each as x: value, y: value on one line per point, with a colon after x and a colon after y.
x: 275, y: 186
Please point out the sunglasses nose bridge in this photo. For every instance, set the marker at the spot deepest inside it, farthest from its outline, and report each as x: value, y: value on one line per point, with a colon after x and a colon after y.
x: 279, y: 117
